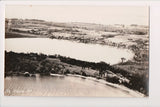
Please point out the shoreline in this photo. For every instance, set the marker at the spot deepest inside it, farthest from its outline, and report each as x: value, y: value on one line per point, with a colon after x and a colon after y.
x: 137, y: 41
x: 99, y: 81
x: 120, y: 65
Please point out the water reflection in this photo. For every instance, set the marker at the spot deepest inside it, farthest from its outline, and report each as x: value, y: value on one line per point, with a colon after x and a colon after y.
x: 58, y: 86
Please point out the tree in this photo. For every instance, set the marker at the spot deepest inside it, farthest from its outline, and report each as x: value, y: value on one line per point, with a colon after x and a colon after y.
x: 123, y: 59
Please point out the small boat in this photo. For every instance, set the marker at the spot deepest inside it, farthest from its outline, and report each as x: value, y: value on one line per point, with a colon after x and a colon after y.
x: 26, y: 74
x: 33, y: 75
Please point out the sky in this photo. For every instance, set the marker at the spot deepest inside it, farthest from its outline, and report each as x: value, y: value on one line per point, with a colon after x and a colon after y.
x: 75, y: 13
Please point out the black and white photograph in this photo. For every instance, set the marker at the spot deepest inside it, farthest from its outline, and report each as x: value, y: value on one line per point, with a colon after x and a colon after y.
x: 76, y: 50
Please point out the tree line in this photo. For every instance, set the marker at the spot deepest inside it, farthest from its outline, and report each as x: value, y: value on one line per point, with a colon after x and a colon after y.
x: 36, y: 63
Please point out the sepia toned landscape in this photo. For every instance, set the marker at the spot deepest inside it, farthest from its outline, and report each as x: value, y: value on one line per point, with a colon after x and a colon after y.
x: 47, y: 58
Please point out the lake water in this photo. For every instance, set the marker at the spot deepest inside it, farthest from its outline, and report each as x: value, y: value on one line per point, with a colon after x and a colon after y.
x: 81, y: 51
x: 60, y: 86
x: 67, y: 85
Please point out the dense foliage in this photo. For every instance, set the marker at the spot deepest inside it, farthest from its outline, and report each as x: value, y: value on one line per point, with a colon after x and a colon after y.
x: 37, y: 63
